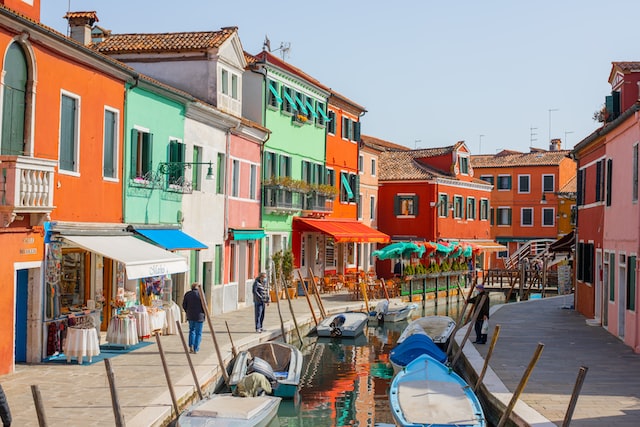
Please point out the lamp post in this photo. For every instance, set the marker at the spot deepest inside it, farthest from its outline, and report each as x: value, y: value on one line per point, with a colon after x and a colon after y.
x: 550, y: 111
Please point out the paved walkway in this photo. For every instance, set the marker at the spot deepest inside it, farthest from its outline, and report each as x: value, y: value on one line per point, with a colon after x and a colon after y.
x: 76, y: 395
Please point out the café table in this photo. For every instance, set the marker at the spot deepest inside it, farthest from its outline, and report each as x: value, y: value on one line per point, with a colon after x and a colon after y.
x: 80, y: 343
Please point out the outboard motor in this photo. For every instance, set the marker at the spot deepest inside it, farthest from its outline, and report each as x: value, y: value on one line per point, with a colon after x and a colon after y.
x: 336, y: 324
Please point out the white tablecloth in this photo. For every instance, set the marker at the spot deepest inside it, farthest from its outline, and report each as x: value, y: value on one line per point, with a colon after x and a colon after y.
x: 80, y: 343
x: 122, y: 330
x: 142, y: 323
x: 173, y: 314
x: 158, y: 320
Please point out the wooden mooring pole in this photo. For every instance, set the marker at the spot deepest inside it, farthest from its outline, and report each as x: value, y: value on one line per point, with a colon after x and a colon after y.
x: 117, y: 412
x: 189, y: 361
x: 582, y: 373
x: 37, y: 400
x: 487, y: 358
x: 167, y: 375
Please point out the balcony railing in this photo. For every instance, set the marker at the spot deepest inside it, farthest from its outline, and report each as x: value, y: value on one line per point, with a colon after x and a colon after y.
x: 26, y: 184
x: 281, y: 200
x: 317, y: 204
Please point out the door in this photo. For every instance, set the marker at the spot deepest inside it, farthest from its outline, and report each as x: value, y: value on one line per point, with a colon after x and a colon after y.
x: 605, y: 289
x: 598, y: 287
x: 22, y: 297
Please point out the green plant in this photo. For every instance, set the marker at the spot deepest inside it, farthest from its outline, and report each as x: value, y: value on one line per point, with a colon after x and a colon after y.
x: 326, y: 189
x: 288, y: 183
x: 283, y: 267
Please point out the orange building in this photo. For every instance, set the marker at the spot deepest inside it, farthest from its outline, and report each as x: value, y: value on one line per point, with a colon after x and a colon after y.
x: 525, y: 202
x: 57, y: 96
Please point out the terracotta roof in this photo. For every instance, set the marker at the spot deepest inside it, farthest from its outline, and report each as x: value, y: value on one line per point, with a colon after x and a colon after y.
x: 506, y: 159
x: 627, y: 65
x: 401, y: 165
x: 571, y: 186
x: 164, y: 42
x: 250, y: 59
x: 268, y: 57
x: 91, y: 15
x: 381, y: 144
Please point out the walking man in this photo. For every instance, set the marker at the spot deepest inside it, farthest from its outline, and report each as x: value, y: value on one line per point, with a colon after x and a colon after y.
x: 195, y: 315
x: 483, y: 313
x: 260, y: 299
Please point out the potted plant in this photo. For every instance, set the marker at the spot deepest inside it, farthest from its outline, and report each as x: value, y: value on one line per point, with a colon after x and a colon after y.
x: 283, y: 270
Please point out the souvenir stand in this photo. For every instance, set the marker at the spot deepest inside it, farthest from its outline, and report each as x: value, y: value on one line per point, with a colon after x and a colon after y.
x: 71, y: 318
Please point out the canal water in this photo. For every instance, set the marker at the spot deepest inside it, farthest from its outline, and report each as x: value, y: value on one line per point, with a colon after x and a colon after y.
x: 345, y: 382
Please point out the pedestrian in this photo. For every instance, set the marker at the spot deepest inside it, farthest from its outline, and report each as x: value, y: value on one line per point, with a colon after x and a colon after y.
x: 483, y: 313
x: 5, y: 412
x: 195, y: 315
x: 260, y: 299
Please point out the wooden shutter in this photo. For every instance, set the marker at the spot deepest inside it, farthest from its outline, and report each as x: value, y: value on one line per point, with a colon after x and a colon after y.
x: 356, y: 131
x: 397, y: 208
x: 14, y: 101
x: 67, y: 133
x: 133, y: 173
x: 631, y: 283
x: 609, y: 180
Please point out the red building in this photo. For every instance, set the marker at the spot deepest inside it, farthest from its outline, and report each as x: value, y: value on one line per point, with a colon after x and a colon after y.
x: 432, y: 194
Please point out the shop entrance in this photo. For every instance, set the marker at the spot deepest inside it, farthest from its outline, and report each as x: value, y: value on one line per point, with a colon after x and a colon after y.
x: 22, y: 297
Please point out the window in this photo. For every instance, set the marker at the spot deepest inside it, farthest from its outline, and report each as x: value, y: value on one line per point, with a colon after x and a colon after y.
x: 484, y: 209
x: 359, y: 206
x: 548, y: 217
x: 580, y: 187
x: 176, y: 155
x: 273, y: 94
x: 631, y: 282
x: 574, y: 215
x: 372, y: 207
x: 471, y: 208
x: 600, y: 180
x: 457, y: 207
x: 196, y: 170
x: 548, y: 183
x: 284, y: 167
x: 69, y: 133
x: 348, y: 187
x: 443, y: 205
x: 221, y: 173
x: 585, y: 263
x: 234, y: 86
x: 217, y: 275
x: 253, y: 192
x: 487, y: 178
x: 14, y: 101
x: 331, y: 177
x: 331, y: 126
x: 235, y: 178
x: 526, y: 219
x: 329, y: 253
x: 634, y: 174
x: 288, y: 104
x: 504, y: 182
x: 322, y: 118
x: 141, y: 148
x: 523, y: 183
x: 503, y: 216
x: 270, y: 165
x: 609, y: 180
x: 406, y: 205
x: 361, y: 163
x: 373, y: 167
x: 464, y: 164
x: 225, y: 82
x: 110, y: 144
x: 233, y: 261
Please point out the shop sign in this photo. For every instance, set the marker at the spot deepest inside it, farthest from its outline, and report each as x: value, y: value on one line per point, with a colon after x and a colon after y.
x: 158, y: 270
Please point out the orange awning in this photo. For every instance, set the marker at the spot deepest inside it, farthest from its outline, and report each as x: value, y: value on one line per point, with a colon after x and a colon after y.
x: 341, y: 231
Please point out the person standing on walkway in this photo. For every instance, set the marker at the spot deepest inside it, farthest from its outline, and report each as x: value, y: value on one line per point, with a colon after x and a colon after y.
x: 195, y: 315
x: 483, y: 313
x: 260, y: 299
x: 5, y: 413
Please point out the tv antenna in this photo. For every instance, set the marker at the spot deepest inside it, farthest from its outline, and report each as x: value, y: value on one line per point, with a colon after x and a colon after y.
x: 284, y: 49
x: 532, y: 136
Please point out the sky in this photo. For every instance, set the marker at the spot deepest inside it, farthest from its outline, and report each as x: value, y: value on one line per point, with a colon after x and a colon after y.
x: 497, y: 74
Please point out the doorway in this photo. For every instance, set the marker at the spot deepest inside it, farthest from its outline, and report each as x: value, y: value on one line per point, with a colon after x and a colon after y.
x: 22, y: 301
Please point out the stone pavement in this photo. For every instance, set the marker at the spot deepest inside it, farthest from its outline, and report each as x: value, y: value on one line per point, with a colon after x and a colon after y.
x: 610, y: 395
x: 76, y: 395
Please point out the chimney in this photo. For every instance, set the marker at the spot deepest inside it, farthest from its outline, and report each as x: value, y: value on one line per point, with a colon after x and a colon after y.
x: 80, y: 24
x: 555, y: 144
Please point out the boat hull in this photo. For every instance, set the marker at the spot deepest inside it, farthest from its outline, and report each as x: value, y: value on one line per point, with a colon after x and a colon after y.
x: 394, y: 314
x: 413, y: 347
x: 427, y: 392
x: 225, y: 410
x: 354, y: 324
x: 438, y: 328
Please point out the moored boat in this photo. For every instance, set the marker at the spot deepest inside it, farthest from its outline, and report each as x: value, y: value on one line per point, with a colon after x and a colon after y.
x: 280, y: 363
x: 428, y: 393
x: 386, y: 312
x: 438, y: 328
x: 225, y: 410
x: 413, y: 346
x: 348, y: 324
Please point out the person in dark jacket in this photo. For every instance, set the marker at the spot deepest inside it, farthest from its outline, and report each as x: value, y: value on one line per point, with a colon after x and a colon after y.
x: 5, y: 413
x: 195, y: 315
x: 260, y: 299
x: 483, y: 314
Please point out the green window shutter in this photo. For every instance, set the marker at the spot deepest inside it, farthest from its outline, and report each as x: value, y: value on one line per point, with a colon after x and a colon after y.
x: 147, y: 150
x: 631, y: 283
x: 415, y: 205
x: 609, y: 180
x: 14, y: 101
x: 612, y: 276
x: 509, y: 216
x: 356, y: 131
x: 109, y: 161
x: 133, y: 156
x: 67, y: 133
x: 397, y: 205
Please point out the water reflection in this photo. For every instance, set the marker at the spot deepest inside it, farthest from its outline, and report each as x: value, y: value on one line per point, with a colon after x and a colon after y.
x: 345, y: 381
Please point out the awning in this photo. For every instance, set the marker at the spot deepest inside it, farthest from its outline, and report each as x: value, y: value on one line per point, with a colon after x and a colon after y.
x: 170, y: 239
x: 347, y: 187
x: 341, y: 231
x: 323, y: 114
x: 563, y: 244
x: 275, y: 93
x: 290, y: 100
x: 247, y: 234
x: 140, y: 259
x: 486, y: 245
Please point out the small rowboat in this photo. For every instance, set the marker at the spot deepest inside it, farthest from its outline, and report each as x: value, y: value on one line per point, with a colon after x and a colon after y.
x: 415, y: 345
x: 348, y: 325
x: 225, y: 410
x: 392, y: 313
x: 438, y: 328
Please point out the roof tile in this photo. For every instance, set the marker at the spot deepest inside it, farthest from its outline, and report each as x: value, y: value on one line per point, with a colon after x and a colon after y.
x: 164, y: 42
x: 509, y: 158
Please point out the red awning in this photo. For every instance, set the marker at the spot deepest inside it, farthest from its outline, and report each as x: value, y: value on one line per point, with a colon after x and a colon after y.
x: 341, y: 231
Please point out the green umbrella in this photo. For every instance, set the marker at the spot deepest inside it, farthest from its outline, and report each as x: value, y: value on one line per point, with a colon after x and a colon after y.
x: 398, y: 250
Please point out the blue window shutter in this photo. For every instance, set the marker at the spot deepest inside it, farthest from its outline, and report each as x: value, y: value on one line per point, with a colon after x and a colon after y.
x: 292, y: 103
x: 300, y: 103
x: 275, y: 93
x: 311, y: 109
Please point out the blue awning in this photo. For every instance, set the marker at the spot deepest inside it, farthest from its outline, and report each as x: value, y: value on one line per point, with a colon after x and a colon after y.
x: 247, y: 234
x: 171, y: 239
x: 303, y: 108
x: 310, y: 107
x: 275, y: 93
x: 347, y: 187
x: 291, y: 101
x: 324, y: 116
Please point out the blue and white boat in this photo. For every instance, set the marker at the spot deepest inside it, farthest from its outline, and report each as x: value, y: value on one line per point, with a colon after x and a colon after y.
x: 349, y: 324
x: 438, y: 328
x: 412, y: 347
x: 279, y: 362
x: 386, y: 312
x: 428, y: 393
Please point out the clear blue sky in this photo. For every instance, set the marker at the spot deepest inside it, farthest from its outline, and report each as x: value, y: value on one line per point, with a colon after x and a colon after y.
x: 430, y: 73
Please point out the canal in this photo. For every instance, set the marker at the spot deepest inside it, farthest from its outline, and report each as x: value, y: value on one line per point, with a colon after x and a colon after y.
x: 345, y: 382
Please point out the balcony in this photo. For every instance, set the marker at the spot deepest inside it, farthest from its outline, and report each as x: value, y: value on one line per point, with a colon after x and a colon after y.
x: 26, y: 187
x: 316, y: 204
x: 281, y: 200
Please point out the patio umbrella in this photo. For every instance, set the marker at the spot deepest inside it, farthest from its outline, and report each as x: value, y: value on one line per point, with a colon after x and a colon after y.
x: 398, y: 250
